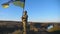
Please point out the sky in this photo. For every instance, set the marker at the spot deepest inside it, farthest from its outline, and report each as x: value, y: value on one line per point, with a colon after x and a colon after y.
x: 37, y: 10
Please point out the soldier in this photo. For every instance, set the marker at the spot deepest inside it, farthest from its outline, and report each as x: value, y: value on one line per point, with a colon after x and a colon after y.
x: 24, y: 21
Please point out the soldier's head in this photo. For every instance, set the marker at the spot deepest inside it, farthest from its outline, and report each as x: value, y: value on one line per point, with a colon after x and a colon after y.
x: 25, y: 12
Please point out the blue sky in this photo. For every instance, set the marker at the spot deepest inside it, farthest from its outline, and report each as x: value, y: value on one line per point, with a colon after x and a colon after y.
x: 38, y: 11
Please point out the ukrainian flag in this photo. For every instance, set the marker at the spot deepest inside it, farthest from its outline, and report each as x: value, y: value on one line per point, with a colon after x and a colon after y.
x: 20, y: 3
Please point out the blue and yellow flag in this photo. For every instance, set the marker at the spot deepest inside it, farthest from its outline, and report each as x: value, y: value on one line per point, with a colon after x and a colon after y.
x: 20, y: 3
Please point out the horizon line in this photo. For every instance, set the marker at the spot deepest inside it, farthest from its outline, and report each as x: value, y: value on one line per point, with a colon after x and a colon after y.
x: 30, y: 21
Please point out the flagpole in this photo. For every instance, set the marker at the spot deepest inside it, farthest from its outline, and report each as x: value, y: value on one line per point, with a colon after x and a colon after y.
x: 23, y: 7
x: 23, y: 10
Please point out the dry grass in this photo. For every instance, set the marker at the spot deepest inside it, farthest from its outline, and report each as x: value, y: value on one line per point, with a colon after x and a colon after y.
x: 17, y: 32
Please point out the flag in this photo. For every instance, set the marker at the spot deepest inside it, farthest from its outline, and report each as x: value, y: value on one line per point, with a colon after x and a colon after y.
x: 20, y: 3
x: 5, y: 5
